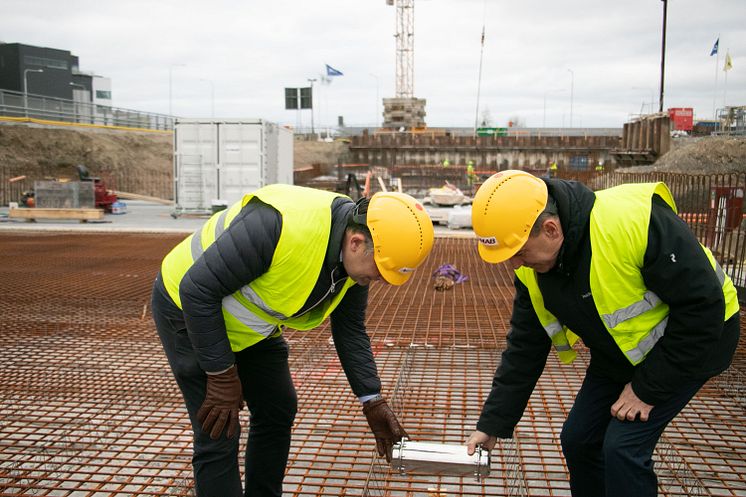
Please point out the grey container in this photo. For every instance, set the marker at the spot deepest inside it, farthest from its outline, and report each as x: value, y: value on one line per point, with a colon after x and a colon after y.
x: 439, y: 459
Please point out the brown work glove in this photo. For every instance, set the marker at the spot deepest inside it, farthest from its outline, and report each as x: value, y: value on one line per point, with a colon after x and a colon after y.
x: 384, y: 425
x: 223, y: 400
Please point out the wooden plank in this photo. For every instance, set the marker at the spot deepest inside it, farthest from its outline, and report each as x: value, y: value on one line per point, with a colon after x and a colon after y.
x: 135, y: 196
x: 41, y: 213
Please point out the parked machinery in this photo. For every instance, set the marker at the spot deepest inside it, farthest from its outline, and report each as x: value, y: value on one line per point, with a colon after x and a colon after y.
x: 104, y: 198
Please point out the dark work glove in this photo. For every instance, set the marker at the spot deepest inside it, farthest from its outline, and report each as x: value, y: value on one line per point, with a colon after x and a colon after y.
x: 223, y: 400
x: 384, y: 425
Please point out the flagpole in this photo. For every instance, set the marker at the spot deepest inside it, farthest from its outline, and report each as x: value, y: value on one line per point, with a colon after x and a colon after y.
x: 479, y: 84
x: 725, y: 84
x: 479, y: 78
x: 717, y: 65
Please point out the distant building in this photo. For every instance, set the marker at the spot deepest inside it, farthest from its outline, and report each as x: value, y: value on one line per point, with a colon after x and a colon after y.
x: 60, y: 76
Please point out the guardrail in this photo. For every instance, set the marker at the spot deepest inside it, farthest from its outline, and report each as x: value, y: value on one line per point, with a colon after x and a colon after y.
x: 15, y: 104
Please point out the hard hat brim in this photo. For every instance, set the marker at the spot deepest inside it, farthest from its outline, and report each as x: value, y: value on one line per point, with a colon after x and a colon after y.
x: 495, y: 255
x: 393, y: 277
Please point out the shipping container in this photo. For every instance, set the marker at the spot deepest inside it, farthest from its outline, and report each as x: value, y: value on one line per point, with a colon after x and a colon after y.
x: 216, y: 162
x: 682, y: 118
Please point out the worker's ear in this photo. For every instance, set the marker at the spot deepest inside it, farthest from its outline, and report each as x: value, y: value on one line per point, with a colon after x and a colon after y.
x: 552, y: 228
x: 356, y: 241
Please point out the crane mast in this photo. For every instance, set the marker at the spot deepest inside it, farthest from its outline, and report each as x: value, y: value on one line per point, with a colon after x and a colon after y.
x: 404, y: 48
x: 404, y: 111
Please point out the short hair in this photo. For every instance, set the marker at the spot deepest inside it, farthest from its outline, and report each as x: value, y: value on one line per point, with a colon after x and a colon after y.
x: 356, y: 223
x: 550, y: 211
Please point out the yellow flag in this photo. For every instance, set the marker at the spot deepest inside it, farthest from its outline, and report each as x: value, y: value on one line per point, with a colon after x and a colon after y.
x: 728, y: 62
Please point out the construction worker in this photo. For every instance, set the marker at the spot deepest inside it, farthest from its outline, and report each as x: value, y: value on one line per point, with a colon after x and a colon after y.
x: 281, y: 256
x: 600, y: 166
x: 552, y: 169
x: 619, y: 269
x: 446, y: 162
x: 471, y: 177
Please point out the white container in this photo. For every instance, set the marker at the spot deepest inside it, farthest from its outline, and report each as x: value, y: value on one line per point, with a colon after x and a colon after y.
x: 439, y: 459
x: 225, y: 159
x: 459, y: 217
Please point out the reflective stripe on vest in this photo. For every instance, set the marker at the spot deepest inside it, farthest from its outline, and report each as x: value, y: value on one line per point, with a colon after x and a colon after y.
x: 634, y: 316
x: 251, y: 313
x: 562, y: 338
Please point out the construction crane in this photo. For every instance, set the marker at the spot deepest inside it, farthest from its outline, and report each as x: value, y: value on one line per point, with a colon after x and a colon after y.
x: 404, y: 47
x: 404, y: 111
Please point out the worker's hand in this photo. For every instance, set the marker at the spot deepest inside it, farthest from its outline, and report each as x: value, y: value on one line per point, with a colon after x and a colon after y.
x: 480, y: 438
x: 384, y: 425
x: 628, y: 406
x: 223, y: 401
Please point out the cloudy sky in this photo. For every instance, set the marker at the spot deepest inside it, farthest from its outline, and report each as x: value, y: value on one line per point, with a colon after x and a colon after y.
x: 589, y: 63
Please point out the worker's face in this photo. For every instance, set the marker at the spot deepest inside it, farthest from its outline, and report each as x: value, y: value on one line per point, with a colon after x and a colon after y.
x: 358, y: 260
x: 540, y: 252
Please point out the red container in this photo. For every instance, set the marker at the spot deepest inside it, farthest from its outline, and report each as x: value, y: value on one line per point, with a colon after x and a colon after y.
x: 682, y: 118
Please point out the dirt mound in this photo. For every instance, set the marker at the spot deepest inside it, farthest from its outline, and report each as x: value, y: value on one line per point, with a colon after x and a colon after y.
x: 706, y: 155
x: 53, y: 152
x: 326, y: 154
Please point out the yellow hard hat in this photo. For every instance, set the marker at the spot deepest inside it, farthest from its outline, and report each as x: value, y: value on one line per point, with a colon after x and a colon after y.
x: 503, y: 211
x: 402, y: 234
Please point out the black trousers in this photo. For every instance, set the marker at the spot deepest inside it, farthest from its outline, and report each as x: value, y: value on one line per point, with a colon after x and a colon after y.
x: 611, y: 458
x: 270, y: 396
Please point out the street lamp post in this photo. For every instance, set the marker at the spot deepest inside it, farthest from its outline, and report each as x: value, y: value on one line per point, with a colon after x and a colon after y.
x: 75, y: 102
x: 663, y: 55
x: 212, y: 97
x: 25, y: 88
x: 312, y: 81
x: 572, y: 85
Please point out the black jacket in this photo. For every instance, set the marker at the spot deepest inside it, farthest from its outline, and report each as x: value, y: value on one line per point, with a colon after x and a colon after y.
x: 696, y: 344
x: 244, y: 252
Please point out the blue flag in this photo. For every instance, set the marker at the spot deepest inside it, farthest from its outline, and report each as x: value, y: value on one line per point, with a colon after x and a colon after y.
x: 712, y: 52
x: 330, y: 71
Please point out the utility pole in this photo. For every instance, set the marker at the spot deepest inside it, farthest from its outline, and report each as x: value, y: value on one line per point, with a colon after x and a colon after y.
x: 663, y: 54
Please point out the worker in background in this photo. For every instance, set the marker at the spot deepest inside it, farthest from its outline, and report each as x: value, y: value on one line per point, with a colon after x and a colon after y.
x: 600, y: 166
x: 620, y: 270
x: 471, y: 177
x: 552, y: 169
x: 446, y: 162
x: 283, y: 256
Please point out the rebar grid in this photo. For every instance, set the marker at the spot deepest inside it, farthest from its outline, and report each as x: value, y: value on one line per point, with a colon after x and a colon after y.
x: 88, y: 406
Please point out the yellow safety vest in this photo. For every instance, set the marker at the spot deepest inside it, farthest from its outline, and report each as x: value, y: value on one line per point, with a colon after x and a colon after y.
x: 634, y: 316
x: 259, y: 308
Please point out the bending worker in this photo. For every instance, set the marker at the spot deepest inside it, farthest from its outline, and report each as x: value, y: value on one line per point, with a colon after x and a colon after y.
x: 619, y: 269
x: 281, y: 256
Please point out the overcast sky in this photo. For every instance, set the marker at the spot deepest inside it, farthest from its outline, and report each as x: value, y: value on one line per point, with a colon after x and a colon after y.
x: 541, y: 57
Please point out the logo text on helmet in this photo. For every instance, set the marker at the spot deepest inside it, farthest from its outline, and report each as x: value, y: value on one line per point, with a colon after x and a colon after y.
x: 489, y: 240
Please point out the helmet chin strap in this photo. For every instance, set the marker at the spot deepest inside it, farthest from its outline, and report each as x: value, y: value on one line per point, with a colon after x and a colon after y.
x: 360, y: 217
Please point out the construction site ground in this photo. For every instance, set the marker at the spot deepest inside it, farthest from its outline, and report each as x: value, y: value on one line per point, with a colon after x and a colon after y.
x: 88, y: 406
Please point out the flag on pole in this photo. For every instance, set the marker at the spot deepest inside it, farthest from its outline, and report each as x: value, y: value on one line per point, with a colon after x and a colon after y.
x: 728, y: 62
x: 715, y: 47
x: 330, y: 71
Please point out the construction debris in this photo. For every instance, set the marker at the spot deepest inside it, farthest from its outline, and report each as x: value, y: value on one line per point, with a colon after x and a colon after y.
x: 446, y: 276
